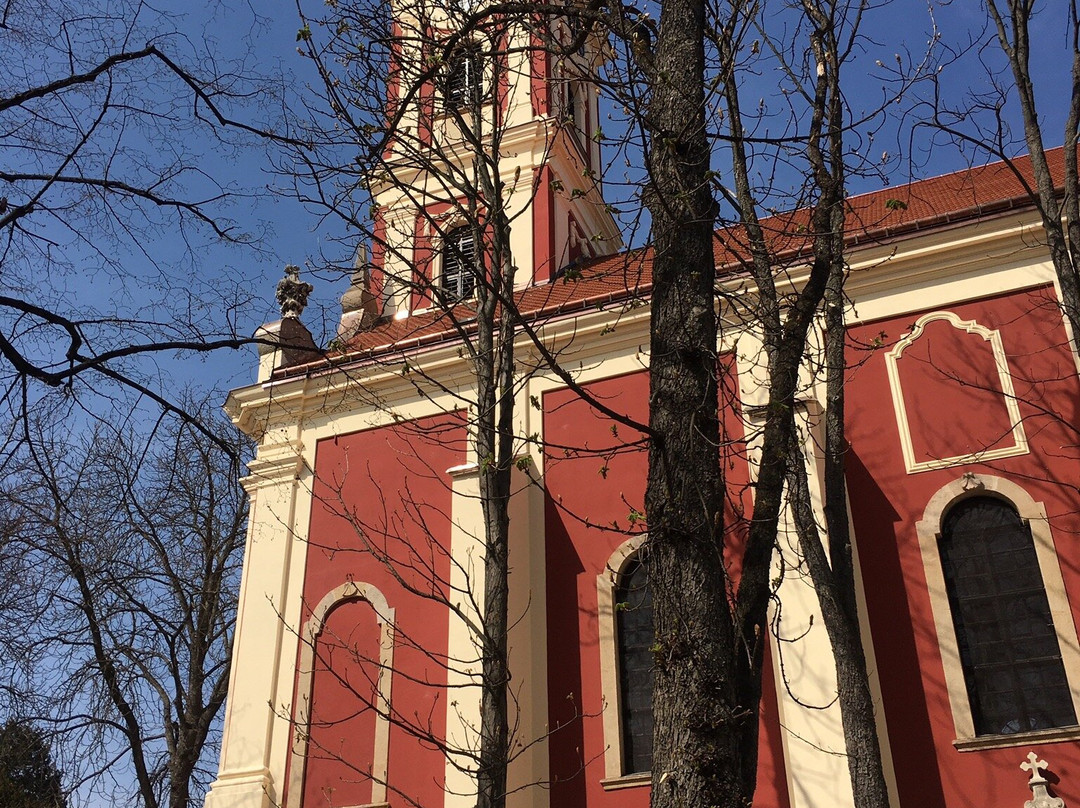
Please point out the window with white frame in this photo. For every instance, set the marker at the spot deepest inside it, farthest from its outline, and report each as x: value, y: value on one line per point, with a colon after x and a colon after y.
x: 626, y: 665
x: 574, y: 107
x: 1005, y: 630
x: 459, y: 264
x: 1005, y: 634
x: 570, y: 99
x: 634, y: 640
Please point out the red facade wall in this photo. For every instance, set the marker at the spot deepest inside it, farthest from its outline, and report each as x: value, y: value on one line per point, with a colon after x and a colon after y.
x: 595, y: 473
x: 381, y: 516
x: 887, y: 502
x: 384, y: 494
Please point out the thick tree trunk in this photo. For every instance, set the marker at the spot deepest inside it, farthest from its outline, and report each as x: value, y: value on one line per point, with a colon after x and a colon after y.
x: 701, y: 762
x: 696, y: 754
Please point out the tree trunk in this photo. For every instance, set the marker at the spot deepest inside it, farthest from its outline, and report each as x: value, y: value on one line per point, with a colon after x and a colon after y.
x: 492, y: 403
x: 696, y: 716
x: 494, y: 365
x: 852, y: 680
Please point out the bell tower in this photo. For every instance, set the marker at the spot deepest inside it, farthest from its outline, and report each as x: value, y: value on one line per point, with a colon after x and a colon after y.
x: 490, y: 160
x: 485, y: 111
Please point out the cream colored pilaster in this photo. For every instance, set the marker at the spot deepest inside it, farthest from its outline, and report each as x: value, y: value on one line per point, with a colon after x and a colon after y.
x: 813, y: 732
x: 256, y: 740
x: 527, y: 641
x: 811, y: 729
x: 467, y: 604
x: 528, y: 696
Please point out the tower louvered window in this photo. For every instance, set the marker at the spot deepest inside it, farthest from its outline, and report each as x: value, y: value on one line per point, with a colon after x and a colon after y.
x: 465, y: 79
x: 1008, y: 646
x: 459, y: 265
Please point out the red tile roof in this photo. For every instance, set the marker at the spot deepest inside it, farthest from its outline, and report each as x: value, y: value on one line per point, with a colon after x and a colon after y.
x: 875, y: 217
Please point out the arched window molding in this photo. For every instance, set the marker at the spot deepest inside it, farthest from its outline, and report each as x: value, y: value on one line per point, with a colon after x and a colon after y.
x: 349, y: 591
x: 606, y: 585
x: 929, y: 530
x: 892, y: 359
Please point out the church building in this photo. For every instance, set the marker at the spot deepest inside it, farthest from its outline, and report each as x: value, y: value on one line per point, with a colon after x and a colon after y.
x: 354, y: 681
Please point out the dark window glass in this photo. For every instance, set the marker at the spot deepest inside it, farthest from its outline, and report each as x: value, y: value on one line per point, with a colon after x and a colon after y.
x: 465, y: 79
x: 1008, y: 648
x: 634, y: 628
x: 459, y: 264
x: 572, y: 112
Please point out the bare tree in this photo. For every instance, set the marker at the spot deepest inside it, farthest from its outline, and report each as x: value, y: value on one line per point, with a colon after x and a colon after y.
x: 711, y: 630
x: 982, y: 121
x: 114, y: 117
x: 128, y: 554
x: 427, y: 93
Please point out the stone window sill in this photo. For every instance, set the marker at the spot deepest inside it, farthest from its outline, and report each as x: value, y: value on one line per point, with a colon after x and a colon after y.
x: 627, y: 781
x: 1035, y: 737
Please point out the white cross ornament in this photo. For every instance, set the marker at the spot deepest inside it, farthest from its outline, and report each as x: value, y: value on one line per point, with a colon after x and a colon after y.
x: 1038, y: 784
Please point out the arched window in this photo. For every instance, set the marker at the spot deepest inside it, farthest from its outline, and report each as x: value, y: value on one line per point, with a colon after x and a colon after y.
x: 634, y: 641
x: 1005, y: 632
x: 459, y: 266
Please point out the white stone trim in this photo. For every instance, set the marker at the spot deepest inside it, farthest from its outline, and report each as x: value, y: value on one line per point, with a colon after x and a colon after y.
x: 348, y: 591
x: 1070, y: 337
x: 929, y: 530
x: 626, y: 781
x: 992, y: 336
x: 463, y: 619
x: 257, y: 738
x: 606, y: 582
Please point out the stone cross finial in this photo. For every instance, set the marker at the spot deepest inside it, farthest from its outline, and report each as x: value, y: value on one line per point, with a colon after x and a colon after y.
x: 292, y: 293
x: 1038, y: 784
x: 1035, y: 766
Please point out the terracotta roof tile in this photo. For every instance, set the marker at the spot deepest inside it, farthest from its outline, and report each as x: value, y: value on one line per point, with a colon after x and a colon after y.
x: 873, y: 217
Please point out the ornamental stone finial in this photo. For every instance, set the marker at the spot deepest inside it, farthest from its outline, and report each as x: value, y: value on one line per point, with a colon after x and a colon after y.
x: 1040, y: 797
x: 292, y: 293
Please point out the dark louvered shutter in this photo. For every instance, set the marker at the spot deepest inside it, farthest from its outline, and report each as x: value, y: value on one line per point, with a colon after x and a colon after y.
x: 459, y: 264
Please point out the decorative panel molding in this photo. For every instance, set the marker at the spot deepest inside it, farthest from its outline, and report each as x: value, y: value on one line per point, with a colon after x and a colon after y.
x: 965, y: 393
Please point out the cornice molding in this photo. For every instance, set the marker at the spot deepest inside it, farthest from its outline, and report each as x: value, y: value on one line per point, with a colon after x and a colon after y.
x: 587, y: 336
x: 381, y: 384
